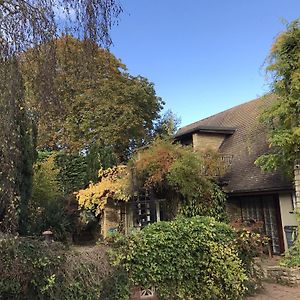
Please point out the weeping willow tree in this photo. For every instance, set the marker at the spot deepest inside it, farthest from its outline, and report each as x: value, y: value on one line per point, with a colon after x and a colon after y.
x: 28, y: 24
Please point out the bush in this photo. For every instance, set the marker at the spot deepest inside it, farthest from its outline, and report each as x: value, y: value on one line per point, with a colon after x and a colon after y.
x: 29, y: 269
x: 191, y: 258
x: 48, y: 205
x: 291, y: 257
x: 33, y: 270
x: 250, y: 245
x: 116, y: 286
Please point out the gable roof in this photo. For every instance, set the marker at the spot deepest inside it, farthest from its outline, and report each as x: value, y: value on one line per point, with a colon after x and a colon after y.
x: 246, y: 143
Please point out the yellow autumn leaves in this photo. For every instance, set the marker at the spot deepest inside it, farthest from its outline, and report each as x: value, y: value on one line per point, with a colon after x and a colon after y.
x: 114, y: 183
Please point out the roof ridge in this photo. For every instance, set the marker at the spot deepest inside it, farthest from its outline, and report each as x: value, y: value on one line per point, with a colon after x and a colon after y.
x: 224, y: 111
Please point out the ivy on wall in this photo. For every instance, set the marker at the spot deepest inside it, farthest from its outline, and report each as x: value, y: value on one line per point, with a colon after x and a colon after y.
x: 168, y: 170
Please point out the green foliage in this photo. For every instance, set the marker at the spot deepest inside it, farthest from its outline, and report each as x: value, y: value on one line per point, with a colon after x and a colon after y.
x: 47, y: 207
x: 182, y: 176
x: 116, y: 286
x: 34, y: 270
x: 72, y: 172
x: 282, y: 118
x: 250, y: 245
x: 167, y: 125
x: 98, y: 100
x: 98, y: 158
x: 189, y: 174
x: 17, y: 152
x: 28, y: 156
x: 292, y: 255
x: 31, y: 24
x: 57, y: 175
x: 29, y: 269
x: 189, y: 258
x: 202, y: 195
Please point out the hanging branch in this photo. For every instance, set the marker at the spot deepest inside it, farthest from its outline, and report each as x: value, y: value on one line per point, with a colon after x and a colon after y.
x: 35, y: 24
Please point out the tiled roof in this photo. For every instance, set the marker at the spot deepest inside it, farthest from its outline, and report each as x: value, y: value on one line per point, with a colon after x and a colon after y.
x: 246, y: 144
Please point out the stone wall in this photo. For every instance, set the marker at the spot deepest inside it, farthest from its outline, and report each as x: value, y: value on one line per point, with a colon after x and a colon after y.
x: 206, y: 141
x: 111, y: 218
x: 283, y: 275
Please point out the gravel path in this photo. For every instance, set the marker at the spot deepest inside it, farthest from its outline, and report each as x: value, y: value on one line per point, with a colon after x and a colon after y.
x: 273, y: 291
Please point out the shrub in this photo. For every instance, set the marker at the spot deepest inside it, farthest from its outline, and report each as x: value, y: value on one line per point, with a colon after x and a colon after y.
x: 291, y: 257
x: 191, y: 258
x: 47, y: 206
x: 85, y: 272
x: 251, y: 244
x: 29, y: 269
x: 116, y: 286
x: 167, y: 168
x: 33, y: 270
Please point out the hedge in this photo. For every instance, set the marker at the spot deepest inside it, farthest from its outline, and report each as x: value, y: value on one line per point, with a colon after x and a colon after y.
x: 188, y: 258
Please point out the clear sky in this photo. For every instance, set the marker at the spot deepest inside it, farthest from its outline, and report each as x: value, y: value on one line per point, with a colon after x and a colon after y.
x: 203, y: 56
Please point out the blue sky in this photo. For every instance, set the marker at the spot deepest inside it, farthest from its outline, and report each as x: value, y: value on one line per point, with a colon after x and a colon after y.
x: 203, y: 56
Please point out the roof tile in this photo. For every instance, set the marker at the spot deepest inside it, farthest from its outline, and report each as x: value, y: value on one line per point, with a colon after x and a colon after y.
x: 246, y: 144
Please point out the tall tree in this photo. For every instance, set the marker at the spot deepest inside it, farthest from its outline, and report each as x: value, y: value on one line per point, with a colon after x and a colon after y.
x: 283, y: 118
x: 25, y: 24
x: 96, y: 103
x: 167, y: 125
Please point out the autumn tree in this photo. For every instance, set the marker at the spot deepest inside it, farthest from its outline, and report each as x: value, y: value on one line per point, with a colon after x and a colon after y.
x: 26, y: 24
x: 283, y: 118
x: 97, y: 103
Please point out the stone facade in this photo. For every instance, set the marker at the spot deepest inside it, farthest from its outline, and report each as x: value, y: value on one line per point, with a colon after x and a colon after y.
x: 111, y: 219
x: 205, y: 141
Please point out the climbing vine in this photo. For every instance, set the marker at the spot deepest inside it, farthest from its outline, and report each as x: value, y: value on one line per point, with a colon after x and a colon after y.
x: 113, y: 184
x: 187, y: 175
x: 187, y: 179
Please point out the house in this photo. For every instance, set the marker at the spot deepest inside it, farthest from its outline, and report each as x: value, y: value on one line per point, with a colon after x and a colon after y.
x: 252, y: 195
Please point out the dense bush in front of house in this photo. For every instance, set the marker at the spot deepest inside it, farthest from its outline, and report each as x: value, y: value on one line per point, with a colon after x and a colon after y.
x: 250, y: 245
x: 188, y: 258
x: 31, y: 269
x: 292, y: 257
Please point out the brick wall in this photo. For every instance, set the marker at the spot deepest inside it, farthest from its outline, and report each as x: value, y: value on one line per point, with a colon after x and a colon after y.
x: 205, y: 141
